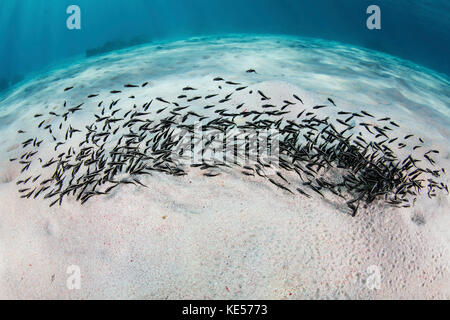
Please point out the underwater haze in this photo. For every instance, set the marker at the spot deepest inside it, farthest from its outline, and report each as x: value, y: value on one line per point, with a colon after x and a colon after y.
x: 33, y: 33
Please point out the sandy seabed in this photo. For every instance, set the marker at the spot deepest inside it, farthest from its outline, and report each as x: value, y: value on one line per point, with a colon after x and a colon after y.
x: 232, y: 236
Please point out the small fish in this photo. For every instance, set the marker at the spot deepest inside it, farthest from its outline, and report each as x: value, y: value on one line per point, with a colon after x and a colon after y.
x: 162, y: 100
x: 264, y: 97
x: 296, y: 97
x: 316, y: 190
x: 392, y: 140
x: 394, y: 124
x: 281, y: 176
x: 280, y: 185
x: 367, y: 114
x: 303, y: 192
x: 211, y: 174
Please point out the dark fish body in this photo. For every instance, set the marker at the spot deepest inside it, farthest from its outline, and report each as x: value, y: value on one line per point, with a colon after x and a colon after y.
x: 162, y: 100
x: 264, y: 97
x: 296, y: 97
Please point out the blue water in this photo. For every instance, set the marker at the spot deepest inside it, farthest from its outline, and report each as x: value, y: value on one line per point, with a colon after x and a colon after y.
x: 34, y: 36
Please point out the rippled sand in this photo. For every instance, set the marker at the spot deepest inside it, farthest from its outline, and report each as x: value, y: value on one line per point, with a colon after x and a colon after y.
x: 229, y: 237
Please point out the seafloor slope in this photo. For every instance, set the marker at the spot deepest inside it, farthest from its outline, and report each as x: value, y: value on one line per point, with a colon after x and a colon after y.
x: 230, y: 236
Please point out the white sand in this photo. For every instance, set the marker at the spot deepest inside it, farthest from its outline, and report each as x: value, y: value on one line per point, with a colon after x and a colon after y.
x: 229, y: 237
